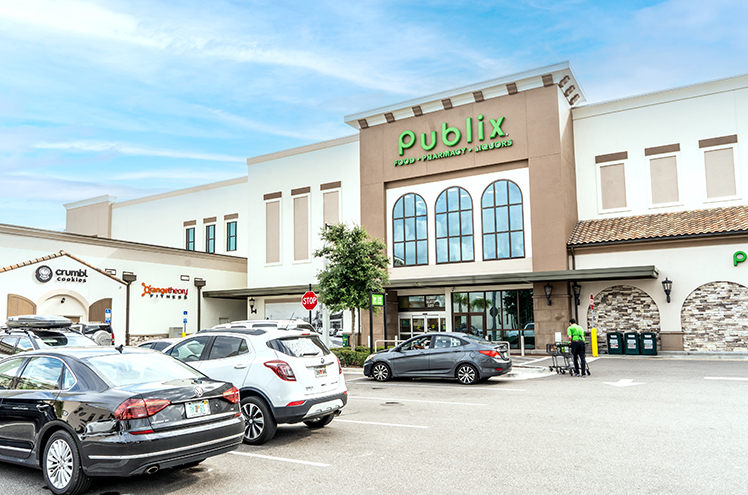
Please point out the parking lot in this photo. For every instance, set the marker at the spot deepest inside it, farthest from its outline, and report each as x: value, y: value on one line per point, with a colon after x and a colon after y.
x: 635, y: 426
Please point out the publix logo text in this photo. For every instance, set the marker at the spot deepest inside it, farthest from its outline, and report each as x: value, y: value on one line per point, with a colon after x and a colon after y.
x: 452, y: 137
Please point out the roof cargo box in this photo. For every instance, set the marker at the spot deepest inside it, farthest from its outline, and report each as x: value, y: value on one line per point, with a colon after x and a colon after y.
x: 38, y: 321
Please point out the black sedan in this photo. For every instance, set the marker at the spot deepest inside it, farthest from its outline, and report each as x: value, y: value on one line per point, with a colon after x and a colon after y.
x: 446, y: 355
x: 100, y: 411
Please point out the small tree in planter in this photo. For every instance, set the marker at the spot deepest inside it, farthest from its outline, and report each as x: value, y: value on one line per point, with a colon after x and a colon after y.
x: 355, y: 265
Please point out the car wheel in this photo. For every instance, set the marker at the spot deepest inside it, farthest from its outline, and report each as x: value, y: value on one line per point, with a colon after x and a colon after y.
x: 467, y: 374
x: 62, y: 466
x: 381, y: 372
x: 320, y: 422
x: 259, y: 423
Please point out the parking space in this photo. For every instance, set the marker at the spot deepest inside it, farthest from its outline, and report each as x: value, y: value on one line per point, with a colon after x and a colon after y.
x: 500, y: 436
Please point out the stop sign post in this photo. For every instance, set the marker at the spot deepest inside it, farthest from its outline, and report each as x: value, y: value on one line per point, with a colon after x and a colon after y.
x: 309, y: 300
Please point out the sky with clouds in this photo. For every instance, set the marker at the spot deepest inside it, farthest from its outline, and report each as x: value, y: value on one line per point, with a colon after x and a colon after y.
x: 132, y: 97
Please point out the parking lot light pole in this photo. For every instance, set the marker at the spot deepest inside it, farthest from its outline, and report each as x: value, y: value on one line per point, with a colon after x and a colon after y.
x: 128, y: 278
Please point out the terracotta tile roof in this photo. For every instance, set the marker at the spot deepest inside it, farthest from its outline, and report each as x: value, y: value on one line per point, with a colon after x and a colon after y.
x: 57, y: 255
x: 712, y: 221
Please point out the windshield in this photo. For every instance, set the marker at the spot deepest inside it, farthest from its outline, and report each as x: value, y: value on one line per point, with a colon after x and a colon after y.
x: 299, y: 346
x: 61, y: 340
x: 129, y: 369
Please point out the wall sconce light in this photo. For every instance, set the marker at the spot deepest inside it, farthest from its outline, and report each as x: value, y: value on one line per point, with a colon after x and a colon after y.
x: 252, y: 309
x: 577, y: 292
x: 548, y: 291
x: 667, y: 286
x: 62, y: 301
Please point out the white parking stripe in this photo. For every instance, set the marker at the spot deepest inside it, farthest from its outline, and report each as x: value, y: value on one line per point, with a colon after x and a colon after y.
x: 453, y: 387
x: 283, y: 459
x: 415, y: 400
x: 734, y: 378
x: 379, y: 424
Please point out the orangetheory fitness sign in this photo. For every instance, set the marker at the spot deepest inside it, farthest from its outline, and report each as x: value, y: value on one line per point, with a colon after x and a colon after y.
x: 452, y: 137
x: 168, y: 292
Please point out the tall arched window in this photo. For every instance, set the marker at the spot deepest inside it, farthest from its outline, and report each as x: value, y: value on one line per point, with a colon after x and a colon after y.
x: 503, y: 227
x: 454, y: 226
x: 409, y: 232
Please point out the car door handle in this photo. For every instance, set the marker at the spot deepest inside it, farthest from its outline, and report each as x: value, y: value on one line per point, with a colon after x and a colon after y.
x: 240, y: 366
x: 42, y: 407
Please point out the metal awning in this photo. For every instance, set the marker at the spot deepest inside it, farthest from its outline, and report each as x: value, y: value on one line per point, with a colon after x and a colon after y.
x: 584, y: 275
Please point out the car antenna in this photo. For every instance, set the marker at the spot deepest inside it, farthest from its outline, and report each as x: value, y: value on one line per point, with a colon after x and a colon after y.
x: 289, y: 321
x: 120, y: 347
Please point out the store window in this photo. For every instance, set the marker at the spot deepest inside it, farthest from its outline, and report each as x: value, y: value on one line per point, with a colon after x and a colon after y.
x: 435, y: 302
x: 231, y: 236
x: 331, y: 207
x: 409, y: 231
x: 503, y: 227
x: 454, y: 226
x: 189, y: 244
x: 210, y: 238
x: 501, y: 315
x: 301, y: 228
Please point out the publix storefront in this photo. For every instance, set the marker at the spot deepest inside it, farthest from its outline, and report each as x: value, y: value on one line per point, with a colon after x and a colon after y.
x: 473, y: 191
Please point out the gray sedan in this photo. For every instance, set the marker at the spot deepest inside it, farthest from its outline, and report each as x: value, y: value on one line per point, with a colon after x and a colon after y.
x: 445, y: 355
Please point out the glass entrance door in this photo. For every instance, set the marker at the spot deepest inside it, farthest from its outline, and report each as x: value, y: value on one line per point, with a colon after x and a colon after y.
x: 412, y: 325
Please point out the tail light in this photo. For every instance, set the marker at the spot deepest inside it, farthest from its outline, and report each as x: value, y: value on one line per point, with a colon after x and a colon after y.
x: 491, y: 353
x: 340, y: 368
x: 139, y: 408
x: 282, y: 369
x: 232, y: 395
x: 295, y: 403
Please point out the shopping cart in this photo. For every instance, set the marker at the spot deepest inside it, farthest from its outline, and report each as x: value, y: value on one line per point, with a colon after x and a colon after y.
x: 562, y: 350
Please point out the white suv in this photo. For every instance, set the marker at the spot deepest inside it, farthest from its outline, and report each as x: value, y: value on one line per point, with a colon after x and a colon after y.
x: 284, y: 376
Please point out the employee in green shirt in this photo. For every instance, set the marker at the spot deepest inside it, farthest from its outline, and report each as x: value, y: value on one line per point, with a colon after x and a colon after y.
x: 576, y: 336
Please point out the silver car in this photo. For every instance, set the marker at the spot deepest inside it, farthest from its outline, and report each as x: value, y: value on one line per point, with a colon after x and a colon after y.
x: 445, y: 355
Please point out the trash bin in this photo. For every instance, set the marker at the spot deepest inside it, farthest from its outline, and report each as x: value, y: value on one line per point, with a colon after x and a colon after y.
x: 649, y: 343
x: 615, y: 342
x: 345, y: 339
x: 631, y: 343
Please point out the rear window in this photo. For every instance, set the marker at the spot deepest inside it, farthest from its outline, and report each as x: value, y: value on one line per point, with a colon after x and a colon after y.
x: 67, y: 340
x: 476, y: 339
x: 121, y: 370
x: 300, y: 346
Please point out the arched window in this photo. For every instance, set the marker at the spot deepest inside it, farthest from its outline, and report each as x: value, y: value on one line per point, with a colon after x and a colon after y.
x: 409, y: 232
x: 454, y: 226
x: 503, y: 228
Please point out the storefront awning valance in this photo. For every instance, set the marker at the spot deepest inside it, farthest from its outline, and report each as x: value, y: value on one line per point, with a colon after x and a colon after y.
x: 585, y: 275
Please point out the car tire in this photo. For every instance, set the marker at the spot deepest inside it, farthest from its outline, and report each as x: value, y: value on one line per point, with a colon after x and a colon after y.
x: 381, y: 372
x: 259, y: 423
x: 61, y: 465
x: 467, y: 374
x: 320, y: 422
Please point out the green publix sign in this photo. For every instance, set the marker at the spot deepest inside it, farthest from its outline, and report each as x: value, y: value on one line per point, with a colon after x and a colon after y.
x: 739, y: 257
x: 452, y: 137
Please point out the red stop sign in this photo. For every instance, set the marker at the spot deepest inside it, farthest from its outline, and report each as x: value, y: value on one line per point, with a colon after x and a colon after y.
x: 309, y: 300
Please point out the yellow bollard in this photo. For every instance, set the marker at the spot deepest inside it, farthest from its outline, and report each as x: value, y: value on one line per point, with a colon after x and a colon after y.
x: 593, y: 332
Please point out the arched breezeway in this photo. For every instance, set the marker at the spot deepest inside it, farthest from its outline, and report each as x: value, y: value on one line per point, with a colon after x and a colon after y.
x: 623, y: 308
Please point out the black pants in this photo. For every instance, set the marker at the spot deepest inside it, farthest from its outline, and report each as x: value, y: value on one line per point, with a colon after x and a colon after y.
x: 577, y: 350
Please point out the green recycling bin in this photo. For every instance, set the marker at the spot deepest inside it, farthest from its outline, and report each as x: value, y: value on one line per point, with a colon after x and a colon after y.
x: 632, y: 343
x: 649, y: 343
x: 615, y: 342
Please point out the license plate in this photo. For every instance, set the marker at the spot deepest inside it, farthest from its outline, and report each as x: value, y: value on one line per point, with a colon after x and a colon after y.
x: 197, y: 409
x: 320, y: 372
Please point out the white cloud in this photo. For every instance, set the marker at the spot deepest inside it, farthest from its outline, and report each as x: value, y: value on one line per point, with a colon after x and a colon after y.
x: 127, y: 149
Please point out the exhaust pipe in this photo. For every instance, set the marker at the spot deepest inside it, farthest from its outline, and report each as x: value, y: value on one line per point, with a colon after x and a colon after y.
x: 152, y: 469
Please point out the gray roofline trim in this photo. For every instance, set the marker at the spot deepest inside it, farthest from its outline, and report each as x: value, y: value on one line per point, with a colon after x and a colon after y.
x: 585, y: 275
x: 353, y: 119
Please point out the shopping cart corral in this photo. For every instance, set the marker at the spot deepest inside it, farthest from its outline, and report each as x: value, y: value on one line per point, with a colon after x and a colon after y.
x: 562, y: 358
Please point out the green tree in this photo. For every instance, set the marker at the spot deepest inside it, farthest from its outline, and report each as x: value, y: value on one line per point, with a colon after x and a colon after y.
x: 355, y: 265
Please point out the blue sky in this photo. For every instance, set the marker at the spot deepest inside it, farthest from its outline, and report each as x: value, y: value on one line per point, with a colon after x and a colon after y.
x: 132, y: 98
